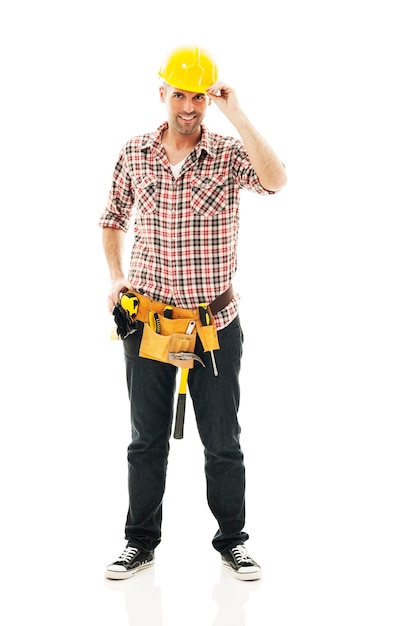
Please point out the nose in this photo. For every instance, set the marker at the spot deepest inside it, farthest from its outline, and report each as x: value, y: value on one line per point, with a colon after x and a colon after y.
x: 189, y: 106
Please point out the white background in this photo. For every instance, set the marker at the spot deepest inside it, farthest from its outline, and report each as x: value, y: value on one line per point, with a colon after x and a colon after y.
x: 327, y: 278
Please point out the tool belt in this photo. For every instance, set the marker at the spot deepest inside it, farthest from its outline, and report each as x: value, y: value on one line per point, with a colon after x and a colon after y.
x: 169, y: 332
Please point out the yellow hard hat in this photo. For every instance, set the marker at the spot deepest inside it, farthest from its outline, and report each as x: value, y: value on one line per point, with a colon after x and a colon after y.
x: 189, y: 68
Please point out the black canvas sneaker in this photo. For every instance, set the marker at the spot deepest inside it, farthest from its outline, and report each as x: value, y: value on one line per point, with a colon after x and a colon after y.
x: 240, y: 563
x: 131, y: 561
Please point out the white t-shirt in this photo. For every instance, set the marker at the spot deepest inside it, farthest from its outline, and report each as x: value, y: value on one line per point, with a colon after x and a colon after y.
x: 177, y: 168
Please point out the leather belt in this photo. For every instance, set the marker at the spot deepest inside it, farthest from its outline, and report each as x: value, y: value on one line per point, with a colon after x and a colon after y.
x: 222, y: 301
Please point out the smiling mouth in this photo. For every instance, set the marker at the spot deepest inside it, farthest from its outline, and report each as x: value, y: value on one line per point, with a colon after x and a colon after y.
x: 187, y: 118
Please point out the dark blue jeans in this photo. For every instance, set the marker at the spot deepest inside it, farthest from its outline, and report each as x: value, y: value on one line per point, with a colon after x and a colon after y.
x: 151, y: 387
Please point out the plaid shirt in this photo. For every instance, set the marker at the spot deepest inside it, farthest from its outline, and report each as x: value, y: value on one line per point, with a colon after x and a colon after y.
x: 186, y: 229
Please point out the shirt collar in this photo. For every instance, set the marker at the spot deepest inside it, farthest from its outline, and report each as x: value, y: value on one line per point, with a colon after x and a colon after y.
x: 205, y: 144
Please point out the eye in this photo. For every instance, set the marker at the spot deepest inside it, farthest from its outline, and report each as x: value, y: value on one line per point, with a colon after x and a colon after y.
x: 200, y: 96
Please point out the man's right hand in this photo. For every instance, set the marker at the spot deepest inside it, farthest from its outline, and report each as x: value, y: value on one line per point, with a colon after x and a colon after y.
x: 117, y: 288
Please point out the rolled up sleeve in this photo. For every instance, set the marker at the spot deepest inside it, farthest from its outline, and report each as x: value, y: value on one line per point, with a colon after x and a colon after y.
x: 118, y: 211
x: 245, y: 175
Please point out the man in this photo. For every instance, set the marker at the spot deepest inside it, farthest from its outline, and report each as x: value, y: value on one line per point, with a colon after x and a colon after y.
x: 184, y: 182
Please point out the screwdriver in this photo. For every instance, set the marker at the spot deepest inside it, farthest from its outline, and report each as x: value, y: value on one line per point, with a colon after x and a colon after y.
x: 205, y: 320
x: 154, y: 322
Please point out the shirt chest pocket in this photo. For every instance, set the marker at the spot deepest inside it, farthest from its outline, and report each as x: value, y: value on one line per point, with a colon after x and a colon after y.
x: 208, y: 195
x: 145, y: 193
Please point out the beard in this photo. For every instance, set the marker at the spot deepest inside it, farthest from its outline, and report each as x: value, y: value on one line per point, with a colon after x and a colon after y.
x: 187, y: 128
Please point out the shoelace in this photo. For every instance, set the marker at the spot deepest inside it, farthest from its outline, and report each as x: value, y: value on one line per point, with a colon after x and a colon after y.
x: 127, y: 555
x: 241, y: 555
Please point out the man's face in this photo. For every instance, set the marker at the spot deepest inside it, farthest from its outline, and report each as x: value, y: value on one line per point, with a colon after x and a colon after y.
x: 186, y: 109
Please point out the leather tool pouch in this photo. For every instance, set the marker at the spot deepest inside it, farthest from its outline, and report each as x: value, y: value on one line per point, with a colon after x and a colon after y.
x: 208, y: 337
x: 172, y: 340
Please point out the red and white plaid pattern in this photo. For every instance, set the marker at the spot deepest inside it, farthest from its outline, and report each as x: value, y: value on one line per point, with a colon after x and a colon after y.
x: 186, y: 230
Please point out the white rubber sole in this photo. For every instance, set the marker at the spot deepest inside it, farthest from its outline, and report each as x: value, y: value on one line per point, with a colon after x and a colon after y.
x: 123, y: 575
x: 252, y: 575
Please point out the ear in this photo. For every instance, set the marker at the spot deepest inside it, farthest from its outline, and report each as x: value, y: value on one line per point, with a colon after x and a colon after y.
x: 161, y: 93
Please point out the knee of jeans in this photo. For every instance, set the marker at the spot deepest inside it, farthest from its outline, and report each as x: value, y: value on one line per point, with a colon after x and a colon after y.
x: 147, y: 442
x: 224, y: 455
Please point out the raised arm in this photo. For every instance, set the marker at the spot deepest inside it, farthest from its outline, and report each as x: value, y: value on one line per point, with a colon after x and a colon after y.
x: 267, y: 165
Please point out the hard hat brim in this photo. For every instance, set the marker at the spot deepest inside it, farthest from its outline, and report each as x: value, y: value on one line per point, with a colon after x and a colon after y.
x: 189, y: 68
